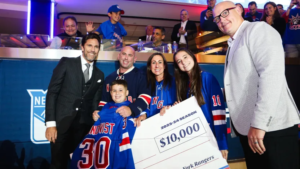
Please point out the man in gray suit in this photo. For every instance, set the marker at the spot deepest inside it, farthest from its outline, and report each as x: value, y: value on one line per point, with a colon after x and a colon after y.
x: 261, y: 107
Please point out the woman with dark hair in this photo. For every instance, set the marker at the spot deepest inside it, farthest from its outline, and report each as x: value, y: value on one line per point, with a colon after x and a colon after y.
x: 272, y: 17
x: 239, y: 5
x: 192, y: 81
x: 163, y: 88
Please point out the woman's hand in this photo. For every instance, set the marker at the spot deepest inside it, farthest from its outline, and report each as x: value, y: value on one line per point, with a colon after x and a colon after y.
x: 163, y: 110
x: 137, y: 121
x: 224, y: 154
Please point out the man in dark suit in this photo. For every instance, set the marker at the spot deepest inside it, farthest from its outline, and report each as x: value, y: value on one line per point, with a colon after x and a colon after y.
x: 148, y: 36
x: 184, y: 29
x: 73, y: 94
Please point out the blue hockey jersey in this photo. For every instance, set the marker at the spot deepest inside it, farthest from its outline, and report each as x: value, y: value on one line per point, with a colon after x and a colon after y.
x: 139, y: 93
x: 214, y: 108
x: 162, y: 97
x: 107, y: 145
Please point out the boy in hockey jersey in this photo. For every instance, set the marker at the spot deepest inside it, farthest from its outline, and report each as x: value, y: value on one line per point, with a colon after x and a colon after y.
x: 108, y: 143
x: 112, y: 28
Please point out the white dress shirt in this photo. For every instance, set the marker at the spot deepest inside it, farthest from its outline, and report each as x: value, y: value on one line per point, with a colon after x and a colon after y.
x: 231, y: 40
x: 83, y: 67
x: 148, y: 38
x: 182, y: 37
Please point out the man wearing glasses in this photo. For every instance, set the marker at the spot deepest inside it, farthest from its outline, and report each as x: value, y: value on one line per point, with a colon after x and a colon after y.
x: 262, y: 110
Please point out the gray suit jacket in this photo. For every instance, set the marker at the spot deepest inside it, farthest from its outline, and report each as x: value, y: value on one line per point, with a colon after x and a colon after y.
x: 255, y: 85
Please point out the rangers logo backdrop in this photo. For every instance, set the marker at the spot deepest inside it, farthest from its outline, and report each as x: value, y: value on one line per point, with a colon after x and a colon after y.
x: 37, y: 116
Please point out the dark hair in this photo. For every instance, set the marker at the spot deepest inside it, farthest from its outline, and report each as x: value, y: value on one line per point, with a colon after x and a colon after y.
x: 90, y: 36
x: 252, y: 3
x: 162, y: 29
x: 280, y: 5
x: 70, y: 17
x: 182, y: 80
x: 276, y: 13
x: 151, y: 77
x: 119, y: 82
x: 243, y: 13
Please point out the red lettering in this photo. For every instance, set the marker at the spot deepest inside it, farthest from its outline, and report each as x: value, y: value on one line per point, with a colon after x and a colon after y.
x: 111, y: 127
x: 100, y: 130
x: 154, y: 100
x: 106, y: 128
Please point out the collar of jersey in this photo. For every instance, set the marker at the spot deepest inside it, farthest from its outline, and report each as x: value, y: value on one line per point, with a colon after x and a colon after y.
x: 129, y: 70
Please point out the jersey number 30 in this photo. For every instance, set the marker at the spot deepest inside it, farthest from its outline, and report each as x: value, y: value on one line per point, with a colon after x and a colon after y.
x: 100, y: 157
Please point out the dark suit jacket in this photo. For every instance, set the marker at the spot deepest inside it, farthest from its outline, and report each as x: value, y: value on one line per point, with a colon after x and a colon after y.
x: 190, y: 28
x: 65, y: 96
x: 144, y: 38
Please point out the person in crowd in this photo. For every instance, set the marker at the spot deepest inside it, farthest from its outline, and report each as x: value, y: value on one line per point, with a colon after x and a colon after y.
x: 206, y: 18
x: 252, y: 7
x: 292, y: 33
x: 148, y: 36
x: 157, y: 40
x: 162, y: 84
x: 272, y: 17
x: 73, y: 94
x: 112, y: 28
x: 280, y: 9
x: 192, y: 81
x: 139, y: 94
x: 242, y: 10
x: 262, y: 110
x: 70, y: 26
x: 184, y: 29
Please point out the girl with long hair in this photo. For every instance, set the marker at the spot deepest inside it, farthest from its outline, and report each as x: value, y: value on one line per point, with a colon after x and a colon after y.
x: 272, y: 16
x: 192, y: 81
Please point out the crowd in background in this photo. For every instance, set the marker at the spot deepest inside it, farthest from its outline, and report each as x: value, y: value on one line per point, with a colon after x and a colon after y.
x: 287, y: 23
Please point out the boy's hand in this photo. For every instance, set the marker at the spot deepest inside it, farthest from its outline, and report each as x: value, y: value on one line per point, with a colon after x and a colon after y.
x: 51, y: 134
x: 89, y: 26
x: 96, y: 115
x: 137, y: 121
x: 124, y: 111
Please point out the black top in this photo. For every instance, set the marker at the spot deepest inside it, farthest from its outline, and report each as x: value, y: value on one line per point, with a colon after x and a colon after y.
x: 279, y: 24
x: 248, y: 19
x: 208, y: 23
x: 61, y: 35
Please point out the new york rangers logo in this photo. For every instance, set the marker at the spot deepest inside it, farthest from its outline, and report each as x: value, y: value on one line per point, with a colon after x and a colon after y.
x: 37, y: 116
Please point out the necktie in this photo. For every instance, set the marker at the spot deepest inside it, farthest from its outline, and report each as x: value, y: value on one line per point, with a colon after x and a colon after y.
x: 86, y: 73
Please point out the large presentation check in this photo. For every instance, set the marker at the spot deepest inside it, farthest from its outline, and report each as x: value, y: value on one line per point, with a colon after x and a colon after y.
x: 181, y: 139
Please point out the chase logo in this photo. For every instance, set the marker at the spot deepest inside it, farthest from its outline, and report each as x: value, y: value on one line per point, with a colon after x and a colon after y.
x: 37, y: 116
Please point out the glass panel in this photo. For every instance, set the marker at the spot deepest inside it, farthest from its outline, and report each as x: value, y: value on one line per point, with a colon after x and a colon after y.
x: 24, y: 41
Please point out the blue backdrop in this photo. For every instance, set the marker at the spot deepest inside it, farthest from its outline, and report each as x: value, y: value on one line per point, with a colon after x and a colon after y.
x: 21, y: 79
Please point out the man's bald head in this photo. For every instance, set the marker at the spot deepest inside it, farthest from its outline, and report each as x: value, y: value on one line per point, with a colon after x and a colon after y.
x: 126, y: 58
x: 128, y: 48
x: 228, y: 24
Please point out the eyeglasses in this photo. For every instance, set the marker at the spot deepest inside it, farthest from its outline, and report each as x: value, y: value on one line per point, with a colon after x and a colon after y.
x: 224, y: 14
